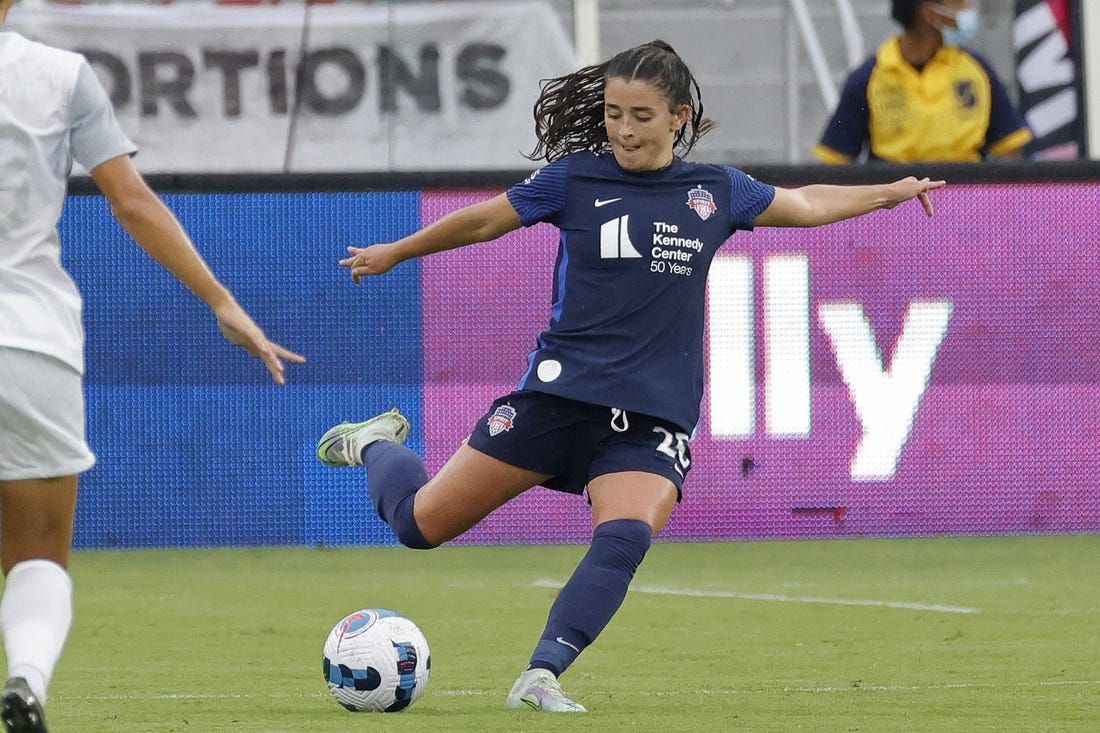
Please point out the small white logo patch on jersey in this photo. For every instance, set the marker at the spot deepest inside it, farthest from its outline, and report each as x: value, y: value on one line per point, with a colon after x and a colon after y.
x: 549, y: 370
x: 531, y: 177
x: 615, y: 240
x: 702, y: 202
x: 502, y: 420
x: 605, y: 202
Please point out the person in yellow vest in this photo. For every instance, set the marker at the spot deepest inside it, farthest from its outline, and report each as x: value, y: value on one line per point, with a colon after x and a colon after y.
x: 924, y: 96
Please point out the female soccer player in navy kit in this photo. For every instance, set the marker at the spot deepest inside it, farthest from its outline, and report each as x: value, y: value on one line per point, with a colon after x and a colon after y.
x: 612, y: 391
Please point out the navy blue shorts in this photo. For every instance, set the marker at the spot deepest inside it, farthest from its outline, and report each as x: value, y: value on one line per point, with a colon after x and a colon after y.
x: 575, y: 442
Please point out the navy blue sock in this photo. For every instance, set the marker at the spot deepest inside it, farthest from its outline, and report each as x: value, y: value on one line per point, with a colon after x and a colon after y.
x: 593, y: 594
x: 394, y: 473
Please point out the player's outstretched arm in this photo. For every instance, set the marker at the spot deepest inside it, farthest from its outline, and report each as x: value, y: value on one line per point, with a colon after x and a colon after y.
x: 479, y: 222
x: 811, y: 206
x: 155, y: 228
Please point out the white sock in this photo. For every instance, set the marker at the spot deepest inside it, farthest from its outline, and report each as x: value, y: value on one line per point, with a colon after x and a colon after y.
x: 36, y: 611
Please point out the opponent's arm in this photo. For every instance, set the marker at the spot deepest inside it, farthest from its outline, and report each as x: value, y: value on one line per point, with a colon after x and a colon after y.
x: 479, y: 222
x: 155, y: 228
x: 811, y: 206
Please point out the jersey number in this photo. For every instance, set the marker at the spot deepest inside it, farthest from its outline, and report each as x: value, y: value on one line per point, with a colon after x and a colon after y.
x: 14, y: 186
x: 674, y: 445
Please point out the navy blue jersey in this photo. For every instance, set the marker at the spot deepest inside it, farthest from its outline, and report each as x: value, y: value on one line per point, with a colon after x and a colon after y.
x: 626, y: 320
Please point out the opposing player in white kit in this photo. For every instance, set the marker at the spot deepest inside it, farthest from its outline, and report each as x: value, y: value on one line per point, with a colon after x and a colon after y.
x: 52, y: 111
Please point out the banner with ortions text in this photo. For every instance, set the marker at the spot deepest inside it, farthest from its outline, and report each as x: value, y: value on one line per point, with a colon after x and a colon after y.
x: 317, y: 88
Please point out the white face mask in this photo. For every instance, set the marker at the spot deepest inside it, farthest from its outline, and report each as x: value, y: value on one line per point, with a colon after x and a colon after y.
x: 966, y: 26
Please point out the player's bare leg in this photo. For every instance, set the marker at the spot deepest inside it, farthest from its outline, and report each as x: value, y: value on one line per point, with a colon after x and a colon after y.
x: 632, y: 495
x: 36, y: 520
x: 36, y: 531
x: 468, y: 487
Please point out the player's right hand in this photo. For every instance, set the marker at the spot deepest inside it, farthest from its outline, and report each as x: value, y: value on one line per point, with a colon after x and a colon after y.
x: 373, y: 260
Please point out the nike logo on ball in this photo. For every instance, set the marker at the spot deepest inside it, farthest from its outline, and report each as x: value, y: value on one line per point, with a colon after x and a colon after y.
x: 605, y: 202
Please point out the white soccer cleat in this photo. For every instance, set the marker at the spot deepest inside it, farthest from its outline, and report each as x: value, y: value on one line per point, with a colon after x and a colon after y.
x: 538, y: 689
x: 343, y: 444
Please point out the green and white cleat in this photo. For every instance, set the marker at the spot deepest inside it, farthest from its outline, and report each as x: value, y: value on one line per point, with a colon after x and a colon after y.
x: 539, y: 690
x: 343, y: 444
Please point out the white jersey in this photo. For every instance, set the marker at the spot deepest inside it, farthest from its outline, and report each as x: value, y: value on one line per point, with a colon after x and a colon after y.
x: 52, y: 111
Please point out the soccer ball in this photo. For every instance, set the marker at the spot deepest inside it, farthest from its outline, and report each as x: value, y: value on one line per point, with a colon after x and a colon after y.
x: 376, y: 660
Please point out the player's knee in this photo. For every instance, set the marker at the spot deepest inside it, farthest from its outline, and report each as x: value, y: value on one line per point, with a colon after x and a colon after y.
x: 625, y: 541
x: 633, y: 531
x: 414, y: 540
x: 408, y: 532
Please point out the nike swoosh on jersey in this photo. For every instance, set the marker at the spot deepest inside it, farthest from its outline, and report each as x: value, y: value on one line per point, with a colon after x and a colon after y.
x: 605, y: 202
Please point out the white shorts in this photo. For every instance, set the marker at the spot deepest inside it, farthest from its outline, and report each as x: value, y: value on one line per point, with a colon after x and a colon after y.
x: 42, y: 433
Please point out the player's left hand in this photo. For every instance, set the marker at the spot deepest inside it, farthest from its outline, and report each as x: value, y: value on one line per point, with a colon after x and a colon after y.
x: 237, y: 326
x: 912, y: 187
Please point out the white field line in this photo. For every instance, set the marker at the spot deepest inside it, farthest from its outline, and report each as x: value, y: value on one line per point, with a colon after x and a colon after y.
x: 824, y: 690
x: 655, y: 590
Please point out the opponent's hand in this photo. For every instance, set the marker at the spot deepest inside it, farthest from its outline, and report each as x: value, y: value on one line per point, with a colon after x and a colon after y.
x: 237, y: 326
x: 373, y: 260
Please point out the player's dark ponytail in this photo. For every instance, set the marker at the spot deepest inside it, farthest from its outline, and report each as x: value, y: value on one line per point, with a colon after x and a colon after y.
x: 569, y: 111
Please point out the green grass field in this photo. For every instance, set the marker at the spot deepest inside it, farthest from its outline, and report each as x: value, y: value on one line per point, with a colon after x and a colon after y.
x: 946, y: 634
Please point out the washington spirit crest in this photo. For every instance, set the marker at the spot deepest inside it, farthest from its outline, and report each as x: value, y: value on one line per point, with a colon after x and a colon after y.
x: 501, y: 420
x: 702, y: 202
